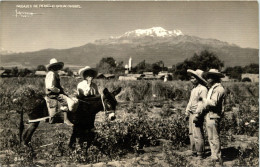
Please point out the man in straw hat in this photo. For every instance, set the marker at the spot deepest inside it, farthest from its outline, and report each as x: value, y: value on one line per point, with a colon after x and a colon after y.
x: 194, y: 106
x: 53, y: 87
x: 86, y: 87
x: 213, y: 105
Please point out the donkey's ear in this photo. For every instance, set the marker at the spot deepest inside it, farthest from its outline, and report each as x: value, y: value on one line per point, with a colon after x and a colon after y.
x: 105, y: 91
x: 116, y: 92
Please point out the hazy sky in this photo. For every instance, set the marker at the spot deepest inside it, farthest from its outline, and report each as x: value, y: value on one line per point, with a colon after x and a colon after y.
x: 233, y: 22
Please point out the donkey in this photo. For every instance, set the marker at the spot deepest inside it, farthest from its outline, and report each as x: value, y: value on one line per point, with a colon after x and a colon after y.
x: 83, y: 118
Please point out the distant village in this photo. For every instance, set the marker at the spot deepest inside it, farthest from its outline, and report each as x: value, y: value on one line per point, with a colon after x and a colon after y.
x: 128, y: 74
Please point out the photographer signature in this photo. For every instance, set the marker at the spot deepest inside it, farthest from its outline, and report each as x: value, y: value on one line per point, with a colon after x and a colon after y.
x: 25, y: 14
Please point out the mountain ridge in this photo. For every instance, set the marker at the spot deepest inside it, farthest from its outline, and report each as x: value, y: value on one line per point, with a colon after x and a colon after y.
x: 171, y: 49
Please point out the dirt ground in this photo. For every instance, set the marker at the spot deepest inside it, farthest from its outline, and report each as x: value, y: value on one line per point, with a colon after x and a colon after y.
x: 156, y: 156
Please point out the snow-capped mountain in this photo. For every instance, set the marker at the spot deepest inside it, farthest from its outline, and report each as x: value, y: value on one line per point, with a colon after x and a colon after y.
x: 157, y: 35
x: 152, y: 45
x: 153, y: 32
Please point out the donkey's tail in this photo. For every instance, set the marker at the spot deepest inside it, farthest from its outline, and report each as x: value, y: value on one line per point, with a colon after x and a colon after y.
x: 21, y: 127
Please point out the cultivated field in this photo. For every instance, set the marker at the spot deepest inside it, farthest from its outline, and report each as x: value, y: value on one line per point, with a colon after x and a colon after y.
x: 150, y: 129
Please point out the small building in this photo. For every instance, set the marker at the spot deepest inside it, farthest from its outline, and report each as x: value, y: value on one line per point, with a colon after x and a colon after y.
x: 5, y: 73
x: 162, y: 77
x: 2, y: 72
x: 150, y: 77
x: 165, y: 75
x: 100, y: 76
x: 127, y: 78
x: 105, y: 76
x: 40, y: 73
x: 131, y: 77
x: 136, y: 75
x: 62, y: 73
x: 148, y: 73
x: 75, y: 74
x: 247, y: 77
x: 225, y: 79
x: 109, y: 76
x: 126, y: 69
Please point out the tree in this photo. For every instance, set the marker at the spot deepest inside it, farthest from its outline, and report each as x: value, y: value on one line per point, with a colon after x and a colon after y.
x: 180, y: 71
x: 41, y: 68
x: 107, y: 65
x: 252, y: 68
x: 109, y: 60
x: 68, y: 71
x: 234, y: 72
x: 14, y: 71
x: 142, y: 67
x: 204, y: 61
x: 120, y: 69
x: 158, y: 66
x: 24, y: 72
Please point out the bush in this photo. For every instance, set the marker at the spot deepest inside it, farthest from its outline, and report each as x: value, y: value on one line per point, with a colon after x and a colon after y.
x: 248, y: 157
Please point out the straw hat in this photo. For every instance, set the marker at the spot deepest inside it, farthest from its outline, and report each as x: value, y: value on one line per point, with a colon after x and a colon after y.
x: 55, y: 64
x: 213, y: 73
x: 197, y: 74
x: 87, y: 71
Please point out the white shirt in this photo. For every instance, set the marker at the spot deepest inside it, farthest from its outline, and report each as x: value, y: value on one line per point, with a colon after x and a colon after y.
x: 198, y: 92
x: 50, y: 82
x: 215, y: 100
x: 86, y: 89
x: 215, y: 95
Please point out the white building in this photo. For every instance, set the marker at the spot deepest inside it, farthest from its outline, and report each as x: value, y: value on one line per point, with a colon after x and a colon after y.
x: 130, y: 64
x: 252, y: 77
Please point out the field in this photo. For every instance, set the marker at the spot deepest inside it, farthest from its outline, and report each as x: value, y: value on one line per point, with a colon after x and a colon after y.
x: 150, y: 129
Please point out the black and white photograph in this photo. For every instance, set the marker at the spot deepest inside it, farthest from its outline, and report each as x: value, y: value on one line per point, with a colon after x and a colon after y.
x: 129, y: 83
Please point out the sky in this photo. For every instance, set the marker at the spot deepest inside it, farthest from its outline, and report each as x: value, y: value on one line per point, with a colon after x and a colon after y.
x: 72, y: 26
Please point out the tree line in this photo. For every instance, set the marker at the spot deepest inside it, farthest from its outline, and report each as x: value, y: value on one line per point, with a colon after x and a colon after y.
x: 205, y: 60
x: 24, y: 72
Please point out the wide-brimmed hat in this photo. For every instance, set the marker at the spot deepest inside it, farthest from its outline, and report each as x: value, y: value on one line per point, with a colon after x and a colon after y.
x: 55, y: 64
x: 87, y: 71
x: 213, y: 73
x: 197, y: 74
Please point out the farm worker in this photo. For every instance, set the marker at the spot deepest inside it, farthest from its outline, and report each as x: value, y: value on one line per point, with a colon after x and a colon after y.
x: 214, y: 111
x: 53, y: 87
x: 87, y: 88
x: 198, y: 92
